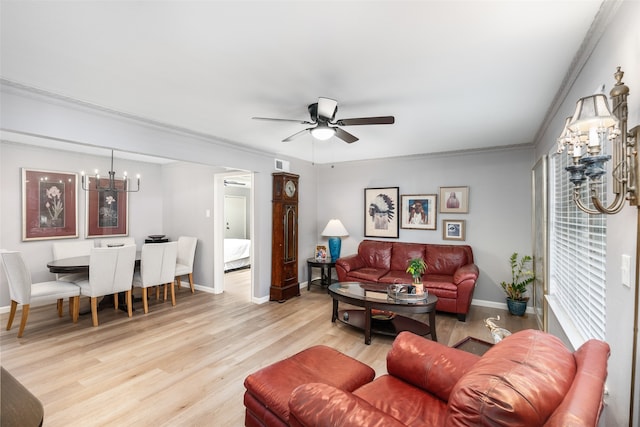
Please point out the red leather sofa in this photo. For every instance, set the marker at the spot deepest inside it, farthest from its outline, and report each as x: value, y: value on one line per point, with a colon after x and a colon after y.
x: 451, y: 273
x: 528, y: 379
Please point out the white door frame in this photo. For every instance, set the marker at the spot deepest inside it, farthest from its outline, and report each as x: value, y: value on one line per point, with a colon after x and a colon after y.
x: 218, y: 230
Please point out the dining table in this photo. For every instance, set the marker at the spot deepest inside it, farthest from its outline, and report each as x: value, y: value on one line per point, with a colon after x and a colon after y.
x: 80, y: 264
x: 76, y: 264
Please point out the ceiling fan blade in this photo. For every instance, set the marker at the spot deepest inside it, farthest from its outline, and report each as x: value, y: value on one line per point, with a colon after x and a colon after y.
x: 345, y: 136
x: 383, y: 120
x: 302, y: 122
x: 295, y: 135
x: 327, y: 108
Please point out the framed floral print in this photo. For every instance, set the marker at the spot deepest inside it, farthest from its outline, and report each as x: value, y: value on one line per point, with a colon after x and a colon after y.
x: 454, y: 199
x: 107, y: 211
x: 453, y: 229
x: 418, y: 211
x: 49, y: 205
x: 381, y: 212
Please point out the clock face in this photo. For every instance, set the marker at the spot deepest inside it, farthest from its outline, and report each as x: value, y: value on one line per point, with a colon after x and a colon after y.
x: 290, y: 188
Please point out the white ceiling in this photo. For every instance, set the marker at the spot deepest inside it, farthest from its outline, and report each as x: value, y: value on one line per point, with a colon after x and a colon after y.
x: 456, y: 75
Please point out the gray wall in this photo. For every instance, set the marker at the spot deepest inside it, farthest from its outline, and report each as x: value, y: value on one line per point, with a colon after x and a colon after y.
x: 49, y: 116
x: 188, y: 193
x: 618, y: 46
x: 499, y: 218
x: 145, y: 207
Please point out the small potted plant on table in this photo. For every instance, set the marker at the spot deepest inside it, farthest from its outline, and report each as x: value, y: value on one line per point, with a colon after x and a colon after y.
x: 416, y: 268
x: 521, y: 276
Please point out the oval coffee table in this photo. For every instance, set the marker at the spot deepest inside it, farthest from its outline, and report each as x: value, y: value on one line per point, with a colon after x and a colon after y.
x: 371, y: 296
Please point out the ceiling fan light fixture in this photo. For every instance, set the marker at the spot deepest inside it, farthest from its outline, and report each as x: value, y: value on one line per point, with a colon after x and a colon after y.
x: 322, y: 132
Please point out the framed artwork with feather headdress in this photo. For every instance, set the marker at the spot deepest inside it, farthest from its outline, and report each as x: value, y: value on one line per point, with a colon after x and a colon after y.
x: 381, y: 212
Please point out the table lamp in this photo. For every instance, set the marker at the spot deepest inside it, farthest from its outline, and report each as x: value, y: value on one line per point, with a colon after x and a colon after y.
x: 334, y: 230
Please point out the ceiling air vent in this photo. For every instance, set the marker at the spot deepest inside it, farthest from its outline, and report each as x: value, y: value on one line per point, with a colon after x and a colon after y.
x: 281, y: 165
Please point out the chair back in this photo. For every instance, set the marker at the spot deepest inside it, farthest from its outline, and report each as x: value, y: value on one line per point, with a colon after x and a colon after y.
x: 117, y: 241
x: 18, y: 276
x: 72, y: 249
x: 111, y: 270
x: 187, y: 251
x: 158, y: 263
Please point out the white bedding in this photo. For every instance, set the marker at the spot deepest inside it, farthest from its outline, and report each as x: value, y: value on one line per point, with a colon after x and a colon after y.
x: 236, y: 253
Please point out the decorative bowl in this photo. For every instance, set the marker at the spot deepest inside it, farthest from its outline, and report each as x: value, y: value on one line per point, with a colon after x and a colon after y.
x: 405, y: 292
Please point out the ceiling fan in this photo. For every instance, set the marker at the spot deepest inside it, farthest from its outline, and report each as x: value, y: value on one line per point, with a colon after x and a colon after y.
x: 324, y: 124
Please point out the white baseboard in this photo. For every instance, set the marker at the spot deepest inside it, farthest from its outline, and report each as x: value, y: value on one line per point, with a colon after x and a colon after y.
x: 262, y: 300
x: 498, y: 305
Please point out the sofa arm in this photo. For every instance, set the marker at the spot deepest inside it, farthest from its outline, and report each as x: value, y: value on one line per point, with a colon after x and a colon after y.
x: 584, y: 402
x: 346, y: 264
x: 427, y: 364
x: 317, y: 404
x: 466, y: 272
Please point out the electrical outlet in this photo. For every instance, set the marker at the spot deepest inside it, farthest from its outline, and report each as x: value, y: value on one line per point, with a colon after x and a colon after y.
x: 625, y: 270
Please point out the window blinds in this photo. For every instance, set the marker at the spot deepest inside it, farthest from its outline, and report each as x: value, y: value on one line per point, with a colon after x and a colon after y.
x: 577, y: 255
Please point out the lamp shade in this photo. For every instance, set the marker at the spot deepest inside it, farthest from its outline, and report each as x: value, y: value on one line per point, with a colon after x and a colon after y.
x: 592, y: 112
x: 334, y: 228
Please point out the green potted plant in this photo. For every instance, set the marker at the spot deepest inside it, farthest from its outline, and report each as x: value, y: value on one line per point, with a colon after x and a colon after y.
x: 416, y: 268
x: 521, y: 276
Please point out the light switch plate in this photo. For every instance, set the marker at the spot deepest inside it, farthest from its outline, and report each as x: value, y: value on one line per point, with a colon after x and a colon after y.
x: 625, y: 270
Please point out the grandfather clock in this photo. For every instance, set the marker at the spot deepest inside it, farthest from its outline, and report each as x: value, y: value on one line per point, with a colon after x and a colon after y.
x: 284, y: 243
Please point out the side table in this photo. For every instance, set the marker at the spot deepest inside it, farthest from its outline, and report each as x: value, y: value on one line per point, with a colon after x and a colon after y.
x: 325, y: 266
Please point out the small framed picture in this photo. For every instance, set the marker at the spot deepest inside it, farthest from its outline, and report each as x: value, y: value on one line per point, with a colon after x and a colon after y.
x: 381, y: 212
x: 453, y: 229
x: 321, y: 252
x: 419, y: 211
x: 454, y: 199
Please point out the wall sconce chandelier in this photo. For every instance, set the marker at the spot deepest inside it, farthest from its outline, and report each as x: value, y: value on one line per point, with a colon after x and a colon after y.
x: 584, y: 135
x: 86, y: 182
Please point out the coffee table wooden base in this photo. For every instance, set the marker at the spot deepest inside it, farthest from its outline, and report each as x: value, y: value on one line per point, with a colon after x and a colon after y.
x: 357, y: 319
x: 374, y: 296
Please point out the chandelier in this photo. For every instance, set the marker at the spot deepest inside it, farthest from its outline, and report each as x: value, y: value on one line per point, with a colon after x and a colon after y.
x: 584, y: 135
x: 112, y: 181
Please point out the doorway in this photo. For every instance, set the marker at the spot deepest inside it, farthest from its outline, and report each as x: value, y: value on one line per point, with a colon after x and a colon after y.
x: 233, y: 233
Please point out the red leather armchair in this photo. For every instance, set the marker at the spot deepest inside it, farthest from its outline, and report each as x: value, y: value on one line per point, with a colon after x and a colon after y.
x: 528, y: 379
x: 451, y: 273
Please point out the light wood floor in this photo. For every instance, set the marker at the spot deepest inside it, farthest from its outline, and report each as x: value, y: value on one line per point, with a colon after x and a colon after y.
x: 185, y: 365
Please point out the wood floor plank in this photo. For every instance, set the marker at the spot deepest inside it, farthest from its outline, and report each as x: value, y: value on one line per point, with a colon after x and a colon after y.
x: 185, y: 365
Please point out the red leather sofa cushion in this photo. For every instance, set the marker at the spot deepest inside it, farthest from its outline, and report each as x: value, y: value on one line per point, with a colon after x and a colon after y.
x: 528, y: 379
x: 269, y: 389
x: 518, y: 384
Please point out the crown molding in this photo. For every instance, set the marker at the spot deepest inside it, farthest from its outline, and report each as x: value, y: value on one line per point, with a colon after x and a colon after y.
x: 599, y: 25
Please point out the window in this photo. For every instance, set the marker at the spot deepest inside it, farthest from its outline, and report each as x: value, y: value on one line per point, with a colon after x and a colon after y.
x: 577, y: 256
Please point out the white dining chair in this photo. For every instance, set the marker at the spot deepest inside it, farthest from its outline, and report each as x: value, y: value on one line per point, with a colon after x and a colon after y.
x: 157, y: 267
x: 23, y: 291
x: 186, y: 256
x: 110, y: 272
x: 117, y: 241
x: 69, y: 250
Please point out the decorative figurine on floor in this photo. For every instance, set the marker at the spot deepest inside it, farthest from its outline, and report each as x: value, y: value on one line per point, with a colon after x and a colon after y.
x: 497, y: 333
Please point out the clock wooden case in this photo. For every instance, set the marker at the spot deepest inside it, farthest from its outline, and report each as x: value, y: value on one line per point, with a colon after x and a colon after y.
x: 284, y: 242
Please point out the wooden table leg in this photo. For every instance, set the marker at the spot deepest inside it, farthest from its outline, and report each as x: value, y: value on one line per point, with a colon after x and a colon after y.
x: 334, y: 315
x: 367, y: 325
x: 309, y: 276
x: 432, y: 325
